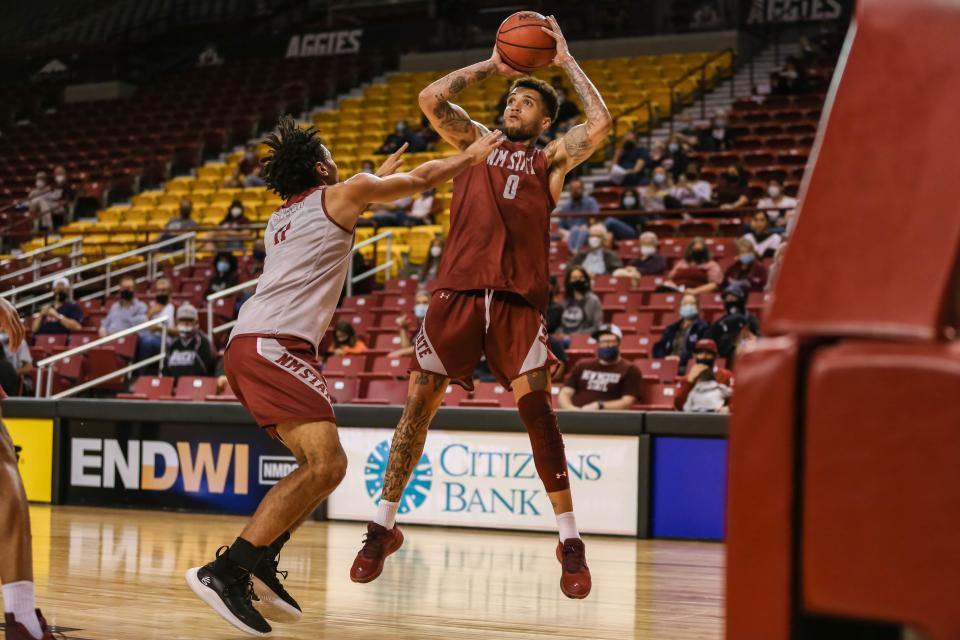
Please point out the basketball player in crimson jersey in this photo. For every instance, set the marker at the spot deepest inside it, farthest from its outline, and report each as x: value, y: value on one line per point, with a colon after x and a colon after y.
x: 493, y: 288
x: 22, y: 619
x: 272, y: 359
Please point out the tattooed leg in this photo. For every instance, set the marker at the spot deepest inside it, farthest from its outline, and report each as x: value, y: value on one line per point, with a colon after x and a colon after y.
x: 423, y: 399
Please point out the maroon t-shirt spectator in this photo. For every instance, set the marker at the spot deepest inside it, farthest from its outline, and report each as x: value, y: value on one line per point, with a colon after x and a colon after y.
x: 655, y: 265
x: 752, y: 277
x: 593, y: 381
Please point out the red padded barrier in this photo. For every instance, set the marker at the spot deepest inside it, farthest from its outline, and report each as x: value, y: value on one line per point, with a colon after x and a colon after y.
x: 838, y: 277
x: 881, y: 490
x: 760, y: 496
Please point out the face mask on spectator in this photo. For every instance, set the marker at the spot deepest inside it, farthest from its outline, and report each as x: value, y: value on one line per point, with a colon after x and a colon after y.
x: 580, y: 286
x: 60, y: 179
x: 773, y: 191
x: 595, y: 242
x: 707, y: 360
x: 185, y: 211
x: 163, y: 298
x: 732, y: 177
x: 186, y: 330
x: 235, y: 212
x: 420, y: 310
x: 659, y: 178
x: 126, y: 294
x: 673, y: 147
x: 436, y: 251
x: 732, y: 306
x: 688, y: 311
x: 629, y: 145
x: 608, y: 353
x: 746, y: 258
x: 629, y: 202
x: 647, y: 250
x: 699, y: 255
x: 691, y: 175
x: 59, y: 296
x: 41, y: 184
x: 223, y: 266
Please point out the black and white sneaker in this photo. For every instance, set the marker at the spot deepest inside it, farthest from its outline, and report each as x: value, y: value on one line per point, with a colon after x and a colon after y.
x: 274, y: 601
x: 230, y: 593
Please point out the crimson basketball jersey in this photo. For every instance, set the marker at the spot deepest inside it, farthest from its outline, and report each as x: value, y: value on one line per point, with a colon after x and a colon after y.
x: 500, y: 226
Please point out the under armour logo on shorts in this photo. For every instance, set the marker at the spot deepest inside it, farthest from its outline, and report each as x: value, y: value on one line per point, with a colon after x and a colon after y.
x: 444, y: 295
x: 562, y: 475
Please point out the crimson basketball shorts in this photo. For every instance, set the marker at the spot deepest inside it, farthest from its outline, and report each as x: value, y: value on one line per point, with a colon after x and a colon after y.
x: 461, y: 326
x: 278, y: 380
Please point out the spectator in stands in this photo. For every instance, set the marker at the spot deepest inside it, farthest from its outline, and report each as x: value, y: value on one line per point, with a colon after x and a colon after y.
x: 567, y: 113
x: 226, y: 276
x: 573, y: 229
x: 625, y: 227
x: 401, y: 135
x: 62, y: 316
x: 728, y: 330
x: 764, y: 240
x: 629, y: 162
x: 608, y: 383
x: 345, y: 340
x: 654, y: 196
x: 160, y: 306
x: 685, y: 131
x: 410, y: 327
x: 747, y: 272
x: 209, y: 57
x: 22, y: 363
x: 732, y: 188
x: 648, y: 263
x: 554, y: 315
x: 254, y: 179
x: 189, y: 353
x: 431, y: 267
x: 596, y: 258
x: 391, y: 214
x: 680, y: 338
x: 791, y: 80
x: 697, y: 272
x: 705, y: 18
x: 423, y: 209
x: 367, y: 166
x: 691, y: 190
x: 181, y: 222
x: 244, y: 168
x: 259, y: 255
x: 39, y: 202
x: 427, y: 134
x: 9, y: 380
x: 230, y: 227
x: 582, y: 309
x: 62, y: 197
x: 718, y: 137
x: 676, y: 159
x: 778, y: 206
x: 706, y: 388
x: 127, y: 312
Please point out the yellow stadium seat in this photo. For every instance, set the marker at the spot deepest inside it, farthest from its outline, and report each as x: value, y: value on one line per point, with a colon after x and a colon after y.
x: 200, y: 197
x: 171, y: 198
x: 146, y: 198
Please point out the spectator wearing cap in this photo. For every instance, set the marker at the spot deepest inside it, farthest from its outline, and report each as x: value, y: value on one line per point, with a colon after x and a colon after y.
x: 189, y: 353
x: 728, y: 331
x: 747, y: 272
x: 62, y: 316
x: 706, y: 388
x: 680, y: 338
x: 596, y: 257
x: 607, y: 383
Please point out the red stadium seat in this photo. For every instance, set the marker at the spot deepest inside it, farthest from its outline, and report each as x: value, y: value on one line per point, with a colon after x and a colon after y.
x: 454, y: 395
x: 656, y: 395
x: 102, y: 361
x: 493, y: 391
x: 51, y: 343
x: 194, y: 388
x: 392, y: 367
x: 664, y: 369
x: 640, y: 322
x: 389, y: 341
x: 385, y: 391
x: 345, y: 366
x: 149, y: 388
x: 341, y: 390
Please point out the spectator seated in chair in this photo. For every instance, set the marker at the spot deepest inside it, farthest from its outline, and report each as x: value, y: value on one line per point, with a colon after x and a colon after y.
x: 181, y: 222
x: 9, y: 380
x: 747, y: 272
x: 573, y: 229
x: 597, y: 258
x: 245, y: 167
x: 706, y: 388
x: 697, y: 272
x: 625, y: 227
x: 226, y: 275
x: 22, y: 363
x: 62, y: 316
x: 764, y: 240
x: 728, y: 331
x: 691, y: 192
x: 731, y: 191
x: 345, y: 340
x: 630, y: 162
x: 230, y: 235
x: 680, y: 338
x: 189, y: 353
x: 127, y: 312
x: 607, y: 383
x: 779, y: 207
x: 402, y: 134
x: 654, y: 196
x: 423, y: 209
x: 718, y: 137
x: 410, y: 327
x: 582, y: 309
x: 649, y: 263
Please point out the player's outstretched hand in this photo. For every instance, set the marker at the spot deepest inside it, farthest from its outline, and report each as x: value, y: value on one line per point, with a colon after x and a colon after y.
x: 482, y: 146
x: 563, y: 53
x: 10, y: 324
x: 501, y: 67
x: 392, y: 163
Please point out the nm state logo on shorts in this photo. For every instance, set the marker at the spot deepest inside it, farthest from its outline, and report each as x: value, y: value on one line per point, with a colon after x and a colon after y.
x: 417, y: 489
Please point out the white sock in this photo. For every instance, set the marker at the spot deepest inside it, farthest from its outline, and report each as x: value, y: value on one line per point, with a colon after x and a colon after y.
x: 386, y: 515
x: 20, y: 599
x: 567, y: 524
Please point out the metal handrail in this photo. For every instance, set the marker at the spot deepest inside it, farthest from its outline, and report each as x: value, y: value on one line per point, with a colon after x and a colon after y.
x: 702, y: 70
x: 213, y: 297
x: 150, y: 251
x: 37, y: 265
x: 351, y: 279
x: 653, y: 116
x: 48, y: 363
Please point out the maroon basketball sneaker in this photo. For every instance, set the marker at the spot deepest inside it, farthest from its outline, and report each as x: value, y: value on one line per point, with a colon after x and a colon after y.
x: 377, y: 545
x: 575, y: 581
x: 13, y: 630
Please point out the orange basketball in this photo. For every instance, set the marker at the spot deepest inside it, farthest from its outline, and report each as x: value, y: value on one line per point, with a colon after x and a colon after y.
x: 521, y: 43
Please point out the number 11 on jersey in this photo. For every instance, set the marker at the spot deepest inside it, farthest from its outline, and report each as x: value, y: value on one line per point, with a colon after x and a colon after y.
x: 510, y: 189
x: 281, y: 234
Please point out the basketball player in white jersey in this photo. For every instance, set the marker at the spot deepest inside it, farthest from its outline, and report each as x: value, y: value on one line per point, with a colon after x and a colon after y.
x: 272, y: 359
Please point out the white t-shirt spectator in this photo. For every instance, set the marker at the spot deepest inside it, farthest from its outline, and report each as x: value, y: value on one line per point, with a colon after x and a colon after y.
x: 774, y: 210
x: 421, y: 207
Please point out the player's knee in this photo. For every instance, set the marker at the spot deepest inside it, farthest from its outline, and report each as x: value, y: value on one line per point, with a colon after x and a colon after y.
x: 325, y: 472
x: 549, y: 455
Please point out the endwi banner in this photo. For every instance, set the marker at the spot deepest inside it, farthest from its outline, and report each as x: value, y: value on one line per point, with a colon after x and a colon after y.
x: 761, y: 12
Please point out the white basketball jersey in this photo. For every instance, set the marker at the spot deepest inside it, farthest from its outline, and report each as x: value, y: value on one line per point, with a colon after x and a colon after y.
x: 303, y: 274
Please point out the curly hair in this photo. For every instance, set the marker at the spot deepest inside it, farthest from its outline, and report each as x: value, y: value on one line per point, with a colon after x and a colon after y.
x: 288, y: 167
x: 551, y: 102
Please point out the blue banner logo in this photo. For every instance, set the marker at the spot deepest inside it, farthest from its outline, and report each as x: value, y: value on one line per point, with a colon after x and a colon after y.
x: 417, y: 489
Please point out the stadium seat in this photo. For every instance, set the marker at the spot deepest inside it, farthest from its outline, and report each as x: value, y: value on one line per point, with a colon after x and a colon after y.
x: 494, y: 392
x: 386, y: 340
x: 664, y: 369
x: 388, y: 366
x: 102, y: 361
x: 149, y: 388
x: 656, y: 395
x: 384, y: 391
x: 341, y: 390
x: 194, y: 388
x: 345, y: 366
x: 454, y: 395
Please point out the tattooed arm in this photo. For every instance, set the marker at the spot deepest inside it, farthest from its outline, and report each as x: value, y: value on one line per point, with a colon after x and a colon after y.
x: 580, y: 141
x: 451, y: 121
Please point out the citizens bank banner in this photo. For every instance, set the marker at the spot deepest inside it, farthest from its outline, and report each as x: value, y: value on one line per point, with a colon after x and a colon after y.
x: 196, y: 467
x: 482, y: 479
x: 34, y: 438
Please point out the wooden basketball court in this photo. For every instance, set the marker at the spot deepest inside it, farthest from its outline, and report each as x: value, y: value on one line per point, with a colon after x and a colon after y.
x: 110, y: 574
